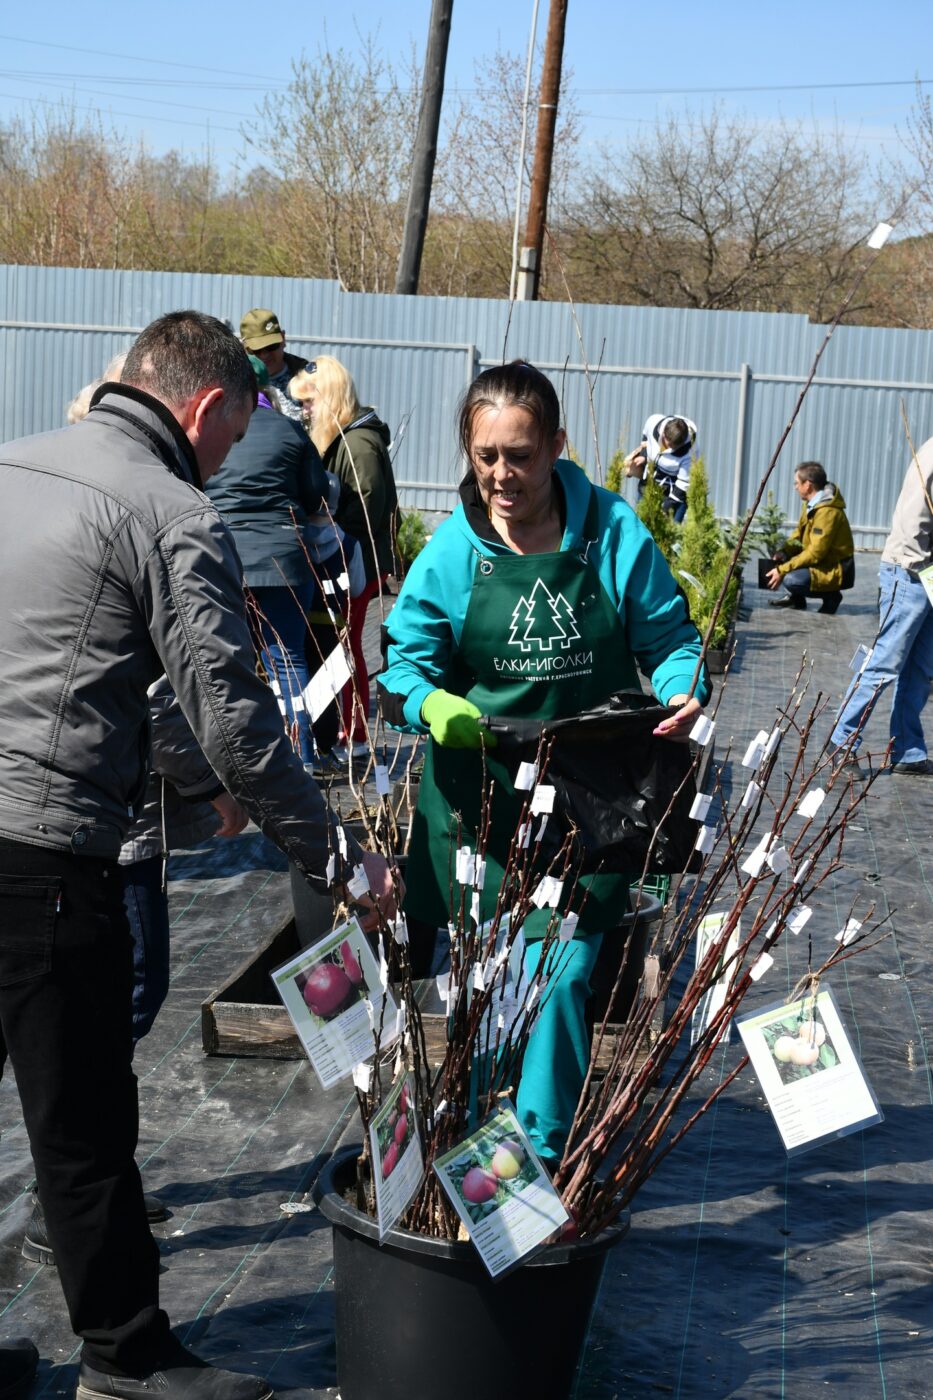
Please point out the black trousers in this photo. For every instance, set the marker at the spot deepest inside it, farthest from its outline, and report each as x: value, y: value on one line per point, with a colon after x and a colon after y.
x: 66, y: 984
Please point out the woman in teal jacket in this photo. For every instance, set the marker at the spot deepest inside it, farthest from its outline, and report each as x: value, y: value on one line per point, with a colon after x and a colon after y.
x: 536, y: 599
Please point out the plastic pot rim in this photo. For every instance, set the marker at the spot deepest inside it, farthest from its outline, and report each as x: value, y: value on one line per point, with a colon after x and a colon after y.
x: 335, y: 1208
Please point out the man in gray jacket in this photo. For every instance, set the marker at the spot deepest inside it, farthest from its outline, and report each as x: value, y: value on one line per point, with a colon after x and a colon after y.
x: 114, y: 567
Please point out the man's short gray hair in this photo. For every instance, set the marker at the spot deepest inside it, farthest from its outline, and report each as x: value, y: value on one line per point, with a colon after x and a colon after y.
x: 186, y: 351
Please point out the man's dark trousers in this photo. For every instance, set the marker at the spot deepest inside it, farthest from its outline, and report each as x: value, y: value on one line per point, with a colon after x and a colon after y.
x: 66, y: 983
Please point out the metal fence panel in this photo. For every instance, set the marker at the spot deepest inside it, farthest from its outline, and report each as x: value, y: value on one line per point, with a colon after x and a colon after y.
x: 413, y: 356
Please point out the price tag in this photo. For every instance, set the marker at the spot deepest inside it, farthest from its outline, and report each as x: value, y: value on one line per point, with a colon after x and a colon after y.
x: 760, y: 966
x: 548, y: 892
x: 752, y: 792
x: 381, y: 778
x: 706, y: 839
x: 703, y: 730
x: 465, y: 866
x: 811, y: 802
x: 543, y: 799
x: 568, y: 927
x: 755, y: 751
x: 526, y: 777
x: 358, y: 884
x: 331, y: 870
x: 799, y: 918
x: 779, y: 860
x: 880, y: 236
x: 363, y: 1077
x: 845, y: 935
x: 700, y: 806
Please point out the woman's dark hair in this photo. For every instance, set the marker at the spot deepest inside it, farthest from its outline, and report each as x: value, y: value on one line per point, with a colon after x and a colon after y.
x: 517, y: 385
x: 813, y: 472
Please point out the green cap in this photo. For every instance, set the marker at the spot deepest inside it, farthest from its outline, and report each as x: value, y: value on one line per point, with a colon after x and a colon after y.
x: 260, y: 371
x: 260, y: 328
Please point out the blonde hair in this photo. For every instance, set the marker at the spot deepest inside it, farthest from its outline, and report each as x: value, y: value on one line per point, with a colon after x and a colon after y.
x: 336, y: 401
x: 80, y: 404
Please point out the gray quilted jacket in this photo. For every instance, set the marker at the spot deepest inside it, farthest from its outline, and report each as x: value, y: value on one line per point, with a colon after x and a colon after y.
x: 115, y: 568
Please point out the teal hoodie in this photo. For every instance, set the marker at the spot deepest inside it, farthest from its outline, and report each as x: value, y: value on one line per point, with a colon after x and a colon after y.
x: 424, y: 627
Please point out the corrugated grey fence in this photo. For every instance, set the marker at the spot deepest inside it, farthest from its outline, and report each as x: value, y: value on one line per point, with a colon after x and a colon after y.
x: 737, y: 374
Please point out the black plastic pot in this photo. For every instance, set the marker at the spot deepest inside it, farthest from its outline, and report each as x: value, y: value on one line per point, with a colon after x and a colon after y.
x: 418, y: 1318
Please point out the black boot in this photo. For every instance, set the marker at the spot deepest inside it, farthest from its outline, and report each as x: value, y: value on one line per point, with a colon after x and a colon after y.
x: 36, y: 1246
x: 180, y: 1376
x: 831, y: 602
x: 19, y: 1362
x: 789, y: 600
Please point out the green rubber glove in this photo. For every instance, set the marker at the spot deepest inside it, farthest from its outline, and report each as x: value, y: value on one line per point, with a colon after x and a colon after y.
x: 454, y: 722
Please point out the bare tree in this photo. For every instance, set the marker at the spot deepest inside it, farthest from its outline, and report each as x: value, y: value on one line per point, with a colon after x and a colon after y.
x: 707, y: 212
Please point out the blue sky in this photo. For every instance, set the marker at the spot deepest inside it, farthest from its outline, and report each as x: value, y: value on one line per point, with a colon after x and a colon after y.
x: 187, y: 75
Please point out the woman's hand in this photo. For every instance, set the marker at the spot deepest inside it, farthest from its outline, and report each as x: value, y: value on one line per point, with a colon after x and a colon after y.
x: 454, y: 722
x: 234, y: 818
x: 679, y: 725
x: 382, y: 900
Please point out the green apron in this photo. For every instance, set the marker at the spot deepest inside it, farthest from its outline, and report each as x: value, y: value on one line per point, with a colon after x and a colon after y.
x: 541, y: 639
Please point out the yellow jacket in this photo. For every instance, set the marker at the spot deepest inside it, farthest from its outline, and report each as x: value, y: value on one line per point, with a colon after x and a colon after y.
x: 821, y: 541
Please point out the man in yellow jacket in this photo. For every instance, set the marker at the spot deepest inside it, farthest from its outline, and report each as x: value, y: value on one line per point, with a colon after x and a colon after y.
x: 817, y: 560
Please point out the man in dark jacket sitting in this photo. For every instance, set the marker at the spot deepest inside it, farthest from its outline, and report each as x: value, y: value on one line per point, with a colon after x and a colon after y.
x: 115, y: 567
x: 817, y: 560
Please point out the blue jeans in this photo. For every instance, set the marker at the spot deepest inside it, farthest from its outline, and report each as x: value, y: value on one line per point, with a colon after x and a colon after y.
x: 284, y: 628
x: 146, y: 906
x: 902, y: 656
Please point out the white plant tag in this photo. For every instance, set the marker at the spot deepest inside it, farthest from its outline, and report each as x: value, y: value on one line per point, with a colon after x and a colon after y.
x: 358, y: 884
x: 779, y: 860
x: 542, y: 799
x: 342, y: 842
x: 523, y: 836
x: 706, y: 840
x: 542, y: 828
x: 568, y: 927
x: 760, y: 966
x: 479, y: 981
x: 755, y: 860
x: 526, y: 777
x: 363, y: 1076
x: 860, y: 657
x: 811, y: 802
x: 400, y: 930
x: 474, y: 907
x: 751, y: 793
x: 774, y: 738
x: 383, y: 969
x: 327, y: 682
x: 282, y: 707
x: 381, y: 779
x: 845, y: 935
x: 298, y: 705
x: 370, y: 1013
x: 880, y: 236
x: 700, y: 806
x: 466, y: 866
x: 548, y: 892
x: 479, y: 874
x: 755, y: 750
x: 331, y: 869
x: 802, y: 869
x: 703, y: 730
x: 799, y: 918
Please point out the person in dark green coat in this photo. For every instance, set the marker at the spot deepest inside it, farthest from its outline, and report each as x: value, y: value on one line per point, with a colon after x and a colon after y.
x: 539, y: 598
x: 354, y: 445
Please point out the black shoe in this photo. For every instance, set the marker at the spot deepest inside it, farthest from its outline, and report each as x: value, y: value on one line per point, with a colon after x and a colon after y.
x: 19, y: 1362
x: 36, y: 1245
x: 846, y: 763
x: 182, y: 1376
x: 789, y: 600
x: 830, y: 603
x: 922, y: 768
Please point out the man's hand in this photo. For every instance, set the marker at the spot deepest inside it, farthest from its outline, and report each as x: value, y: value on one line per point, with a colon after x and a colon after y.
x: 382, y: 899
x: 234, y: 818
x: 679, y: 725
x: 635, y: 463
x: 454, y: 722
x: 773, y: 579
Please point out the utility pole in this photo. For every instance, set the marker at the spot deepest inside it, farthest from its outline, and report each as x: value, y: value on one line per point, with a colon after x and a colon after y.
x: 529, y: 270
x: 425, y: 152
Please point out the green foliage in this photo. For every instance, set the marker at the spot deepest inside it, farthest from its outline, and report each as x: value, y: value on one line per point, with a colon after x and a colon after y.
x: 705, y: 560
x: 769, y: 529
x: 615, y: 471
x: 658, y: 522
x: 411, y: 538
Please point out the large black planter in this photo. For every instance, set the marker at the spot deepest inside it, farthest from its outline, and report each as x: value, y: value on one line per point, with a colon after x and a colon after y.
x: 419, y: 1318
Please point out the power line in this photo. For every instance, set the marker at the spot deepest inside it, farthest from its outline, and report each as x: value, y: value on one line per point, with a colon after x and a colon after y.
x: 659, y: 90
x: 210, y: 127
x: 138, y: 58
x: 158, y: 101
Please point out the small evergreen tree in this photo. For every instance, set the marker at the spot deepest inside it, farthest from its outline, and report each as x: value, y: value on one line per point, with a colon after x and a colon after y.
x: 660, y: 524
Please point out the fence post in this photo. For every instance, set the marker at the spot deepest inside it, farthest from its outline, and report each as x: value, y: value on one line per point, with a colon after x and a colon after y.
x: 744, y: 377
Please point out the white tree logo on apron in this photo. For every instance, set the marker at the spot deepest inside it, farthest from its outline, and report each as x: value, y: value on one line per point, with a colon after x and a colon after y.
x: 543, y: 620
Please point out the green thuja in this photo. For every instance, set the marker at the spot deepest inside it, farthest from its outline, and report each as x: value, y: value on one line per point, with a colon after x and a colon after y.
x: 704, y: 560
x: 665, y: 531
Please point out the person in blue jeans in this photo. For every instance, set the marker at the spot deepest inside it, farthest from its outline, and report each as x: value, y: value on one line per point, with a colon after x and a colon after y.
x: 902, y: 654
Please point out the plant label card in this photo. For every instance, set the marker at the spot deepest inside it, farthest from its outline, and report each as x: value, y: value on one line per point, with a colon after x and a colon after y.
x: 710, y: 1004
x: 809, y: 1071
x: 501, y: 1192
x: 326, y: 683
x: 397, y: 1155
x: 333, y: 994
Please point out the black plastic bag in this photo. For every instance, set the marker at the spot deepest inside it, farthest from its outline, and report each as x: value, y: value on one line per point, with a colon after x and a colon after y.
x: 614, y: 783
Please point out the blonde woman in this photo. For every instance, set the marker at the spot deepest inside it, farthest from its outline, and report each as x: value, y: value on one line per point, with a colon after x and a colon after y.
x: 354, y: 445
